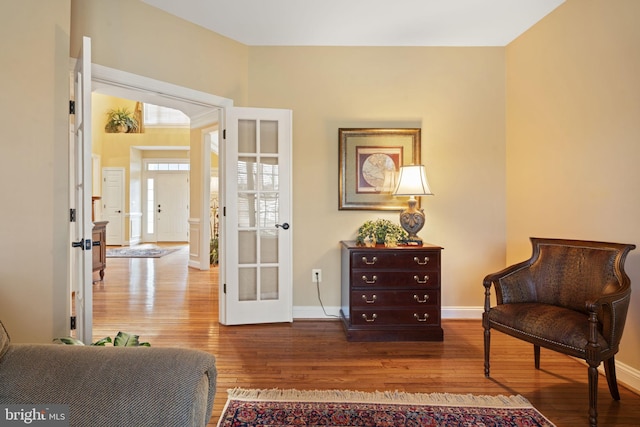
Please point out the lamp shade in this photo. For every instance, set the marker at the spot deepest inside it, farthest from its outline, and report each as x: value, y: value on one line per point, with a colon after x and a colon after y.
x: 412, y: 181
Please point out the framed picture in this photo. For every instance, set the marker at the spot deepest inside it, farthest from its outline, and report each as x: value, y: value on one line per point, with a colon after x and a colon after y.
x: 370, y: 160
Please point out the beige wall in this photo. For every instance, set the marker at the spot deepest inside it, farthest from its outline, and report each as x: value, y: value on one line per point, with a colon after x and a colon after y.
x: 456, y: 95
x: 135, y: 37
x: 34, y: 237
x: 573, y: 132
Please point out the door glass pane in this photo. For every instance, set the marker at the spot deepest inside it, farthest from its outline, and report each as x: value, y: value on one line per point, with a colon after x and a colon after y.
x: 247, y: 247
x: 269, y: 283
x: 150, y: 217
x: 247, y: 173
x: 247, y: 136
x: 268, y: 208
x: 247, y: 284
x: 269, y: 171
x: 269, y: 246
x: 268, y: 136
x: 247, y: 209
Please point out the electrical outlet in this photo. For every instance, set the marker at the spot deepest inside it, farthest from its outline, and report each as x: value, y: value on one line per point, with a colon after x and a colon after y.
x: 316, y: 275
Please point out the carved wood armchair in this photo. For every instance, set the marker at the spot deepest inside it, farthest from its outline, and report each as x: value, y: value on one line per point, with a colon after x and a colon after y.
x: 571, y: 296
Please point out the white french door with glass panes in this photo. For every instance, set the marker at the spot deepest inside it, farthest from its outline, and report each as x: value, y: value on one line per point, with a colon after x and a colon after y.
x: 256, y: 253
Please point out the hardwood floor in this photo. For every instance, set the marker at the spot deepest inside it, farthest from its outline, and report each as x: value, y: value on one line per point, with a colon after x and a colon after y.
x: 169, y: 304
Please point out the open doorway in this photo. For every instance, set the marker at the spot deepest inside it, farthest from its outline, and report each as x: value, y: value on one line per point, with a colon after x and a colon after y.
x: 205, y: 112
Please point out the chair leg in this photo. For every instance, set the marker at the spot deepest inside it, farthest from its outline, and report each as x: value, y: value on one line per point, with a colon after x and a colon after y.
x: 610, y: 371
x: 487, y: 345
x: 536, y: 355
x: 593, y: 396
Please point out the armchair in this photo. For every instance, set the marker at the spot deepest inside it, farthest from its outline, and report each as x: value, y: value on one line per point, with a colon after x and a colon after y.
x: 572, y: 297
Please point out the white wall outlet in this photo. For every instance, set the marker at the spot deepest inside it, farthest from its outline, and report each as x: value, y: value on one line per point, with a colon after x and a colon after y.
x: 316, y: 275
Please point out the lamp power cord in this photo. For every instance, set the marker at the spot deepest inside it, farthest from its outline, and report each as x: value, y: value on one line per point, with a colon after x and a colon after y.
x: 320, y: 298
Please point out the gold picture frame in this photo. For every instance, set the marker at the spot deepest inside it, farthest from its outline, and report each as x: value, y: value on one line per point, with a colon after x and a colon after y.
x: 370, y: 159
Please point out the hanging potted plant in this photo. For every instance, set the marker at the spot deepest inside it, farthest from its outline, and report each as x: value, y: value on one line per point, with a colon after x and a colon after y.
x: 380, y: 232
x: 121, y: 120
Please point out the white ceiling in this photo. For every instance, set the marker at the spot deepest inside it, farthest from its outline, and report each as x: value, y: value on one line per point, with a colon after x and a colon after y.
x: 363, y: 22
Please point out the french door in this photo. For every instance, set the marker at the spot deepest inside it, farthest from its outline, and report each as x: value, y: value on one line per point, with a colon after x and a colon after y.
x: 80, y: 201
x: 256, y: 285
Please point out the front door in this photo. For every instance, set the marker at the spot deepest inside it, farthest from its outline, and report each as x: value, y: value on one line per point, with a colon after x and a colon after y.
x: 257, y: 254
x: 172, y: 206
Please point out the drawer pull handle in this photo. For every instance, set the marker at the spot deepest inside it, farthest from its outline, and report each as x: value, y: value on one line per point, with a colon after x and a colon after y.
x: 366, y: 260
x: 373, y: 317
x: 423, y: 281
x: 425, y: 262
x: 370, y: 282
x: 421, y: 301
x: 369, y: 301
x: 421, y: 319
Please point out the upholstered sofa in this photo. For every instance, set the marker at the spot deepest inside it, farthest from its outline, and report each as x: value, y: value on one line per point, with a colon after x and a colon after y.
x: 111, y: 386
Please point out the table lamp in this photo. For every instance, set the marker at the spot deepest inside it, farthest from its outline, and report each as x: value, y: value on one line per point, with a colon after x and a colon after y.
x: 412, y: 182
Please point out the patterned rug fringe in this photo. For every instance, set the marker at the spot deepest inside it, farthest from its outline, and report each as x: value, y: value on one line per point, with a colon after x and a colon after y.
x: 396, y: 397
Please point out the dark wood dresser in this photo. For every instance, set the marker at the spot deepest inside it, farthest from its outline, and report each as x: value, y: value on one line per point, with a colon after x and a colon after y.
x: 391, y: 294
x: 99, y: 251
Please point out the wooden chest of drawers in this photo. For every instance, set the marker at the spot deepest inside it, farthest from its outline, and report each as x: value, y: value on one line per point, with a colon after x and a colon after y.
x: 391, y: 294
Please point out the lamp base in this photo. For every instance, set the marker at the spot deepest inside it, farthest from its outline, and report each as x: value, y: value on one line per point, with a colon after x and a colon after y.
x: 412, y: 220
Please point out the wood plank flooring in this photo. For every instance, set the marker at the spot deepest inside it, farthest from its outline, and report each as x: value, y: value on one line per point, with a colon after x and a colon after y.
x: 169, y: 304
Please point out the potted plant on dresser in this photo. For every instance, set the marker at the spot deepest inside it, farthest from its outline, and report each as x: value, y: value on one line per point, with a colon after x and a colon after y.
x: 380, y: 232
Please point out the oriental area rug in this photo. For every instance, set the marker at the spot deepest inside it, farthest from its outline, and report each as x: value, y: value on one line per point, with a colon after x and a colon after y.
x: 139, y: 252
x: 279, y: 408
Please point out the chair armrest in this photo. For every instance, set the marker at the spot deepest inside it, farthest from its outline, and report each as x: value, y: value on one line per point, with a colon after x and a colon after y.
x: 512, y: 284
x: 112, y: 385
x: 610, y: 310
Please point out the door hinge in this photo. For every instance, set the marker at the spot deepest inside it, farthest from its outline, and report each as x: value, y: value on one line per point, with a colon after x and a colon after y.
x: 72, y: 215
x: 72, y: 107
x: 224, y: 211
x: 73, y: 323
x: 224, y: 134
x: 224, y: 288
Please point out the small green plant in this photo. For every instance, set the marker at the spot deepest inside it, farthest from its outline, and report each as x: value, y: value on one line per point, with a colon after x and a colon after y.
x: 121, y: 120
x: 122, y: 339
x: 213, y: 251
x: 380, y: 231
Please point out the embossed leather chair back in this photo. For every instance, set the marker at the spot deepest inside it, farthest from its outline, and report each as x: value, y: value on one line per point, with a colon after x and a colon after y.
x: 567, y: 276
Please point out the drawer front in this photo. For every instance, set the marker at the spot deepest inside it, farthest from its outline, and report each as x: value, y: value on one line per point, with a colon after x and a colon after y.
x: 400, y: 258
x: 392, y: 299
x: 408, y: 317
x: 406, y: 279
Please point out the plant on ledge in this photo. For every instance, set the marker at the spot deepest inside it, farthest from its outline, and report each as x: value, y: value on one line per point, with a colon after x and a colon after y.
x: 121, y: 120
x: 123, y: 339
x: 380, y: 232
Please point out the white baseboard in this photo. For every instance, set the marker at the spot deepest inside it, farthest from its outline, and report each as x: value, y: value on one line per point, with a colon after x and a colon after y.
x: 316, y: 312
x: 627, y: 376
